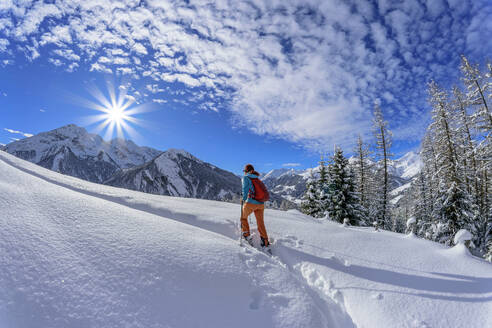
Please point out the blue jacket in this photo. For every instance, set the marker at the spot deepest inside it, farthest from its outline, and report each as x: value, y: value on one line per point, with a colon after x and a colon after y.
x: 247, y: 187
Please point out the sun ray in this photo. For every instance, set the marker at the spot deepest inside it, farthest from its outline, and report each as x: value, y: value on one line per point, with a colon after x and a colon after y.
x: 117, y: 112
x: 134, y: 135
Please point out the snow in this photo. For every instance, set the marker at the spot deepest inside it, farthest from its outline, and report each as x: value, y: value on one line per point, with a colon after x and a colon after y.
x: 400, y: 189
x: 78, y: 254
x: 409, y: 164
x: 462, y: 236
x: 395, y: 200
x: 411, y: 221
x: 168, y: 167
x: 223, y: 193
x: 124, y: 153
x: 276, y: 173
x: 173, y: 153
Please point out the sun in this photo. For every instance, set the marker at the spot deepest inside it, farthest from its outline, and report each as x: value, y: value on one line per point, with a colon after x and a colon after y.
x: 116, y: 115
x: 116, y: 112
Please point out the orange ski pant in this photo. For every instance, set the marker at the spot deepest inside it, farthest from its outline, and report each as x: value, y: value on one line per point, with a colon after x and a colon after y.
x: 258, y: 209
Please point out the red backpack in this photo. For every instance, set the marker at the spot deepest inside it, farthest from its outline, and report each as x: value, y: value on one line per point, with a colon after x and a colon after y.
x: 261, y: 193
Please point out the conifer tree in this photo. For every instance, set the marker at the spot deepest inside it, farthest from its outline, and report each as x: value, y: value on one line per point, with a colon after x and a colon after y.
x: 383, y: 146
x: 478, y: 102
x: 464, y: 130
x: 478, y: 87
x: 363, y: 173
x: 343, y: 200
x: 422, y: 205
x: 488, y: 239
x: 453, y: 207
x: 310, y: 200
x: 322, y: 187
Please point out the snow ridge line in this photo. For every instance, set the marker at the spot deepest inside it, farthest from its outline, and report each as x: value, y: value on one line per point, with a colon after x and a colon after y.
x: 333, y: 310
x: 226, y: 230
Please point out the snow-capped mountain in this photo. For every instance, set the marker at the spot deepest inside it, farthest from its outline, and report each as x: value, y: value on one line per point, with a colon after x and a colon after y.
x: 178, y: 173
x: 73, y: 151
x: 291, y: 183
x: 407, y: 166
x: 287, y: 183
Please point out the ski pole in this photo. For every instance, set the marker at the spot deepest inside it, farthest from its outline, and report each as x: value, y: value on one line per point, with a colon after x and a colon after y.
x: 240, y: 226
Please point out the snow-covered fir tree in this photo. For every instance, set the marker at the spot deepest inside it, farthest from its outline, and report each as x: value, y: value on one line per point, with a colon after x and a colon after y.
x: 363, y: 167
x: 381, y: 204
x: 343, y: 200
x: 315, y: 198
x: 310, y: 199
x: 453, y: 208
x: 488, y: 239
x: 477, y: 102
x: 322, y: 186
x: 422, y: 205
x: 478, y: 88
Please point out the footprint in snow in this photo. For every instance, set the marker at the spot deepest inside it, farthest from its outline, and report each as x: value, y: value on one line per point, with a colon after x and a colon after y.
x: 377, y: 296
x: 279, y: 299
x: 419, y: 324
x: 343, y: 262
x: 292, y: 240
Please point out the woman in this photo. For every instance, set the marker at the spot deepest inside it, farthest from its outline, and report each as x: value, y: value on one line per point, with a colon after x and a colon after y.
x: 251, y: 205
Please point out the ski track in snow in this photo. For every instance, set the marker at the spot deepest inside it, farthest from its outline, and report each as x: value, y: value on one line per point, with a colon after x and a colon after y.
x: 309, y: 272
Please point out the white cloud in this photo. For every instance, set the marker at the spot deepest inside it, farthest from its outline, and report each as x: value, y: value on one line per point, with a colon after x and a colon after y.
x: 27, y: 135
x: 58, y: 35
x: 139, y: 49
x: 56, y: 61
x: 291, y: 164
x: 68, y: 54
x: 130, y: 98
x: 3, y: 44
x: 33, y: 18
x: 435, y: 7
x: 72, y: 67
x: 100, y: 68
x: 125, y: 70
x: 42, y: 110
x: 306, y: 71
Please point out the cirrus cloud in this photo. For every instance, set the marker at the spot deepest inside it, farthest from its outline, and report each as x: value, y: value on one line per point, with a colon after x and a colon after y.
x: 27, y: 135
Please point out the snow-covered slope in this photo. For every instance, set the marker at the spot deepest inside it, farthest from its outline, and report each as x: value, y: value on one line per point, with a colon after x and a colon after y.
x: 72, y: 150
x: 407, y: 166
x: 178, y: 173
x: 78, y: 254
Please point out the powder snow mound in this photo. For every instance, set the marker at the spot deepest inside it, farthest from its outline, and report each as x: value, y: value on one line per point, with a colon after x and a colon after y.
x: 462, y: 236
x: 78, y: 254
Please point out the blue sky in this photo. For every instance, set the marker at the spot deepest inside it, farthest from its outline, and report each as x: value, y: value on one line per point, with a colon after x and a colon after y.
x: 275, y: 83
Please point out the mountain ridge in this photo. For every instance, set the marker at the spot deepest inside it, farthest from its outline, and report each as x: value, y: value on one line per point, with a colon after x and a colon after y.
x: 72, y: 150
x: 291, y: 183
